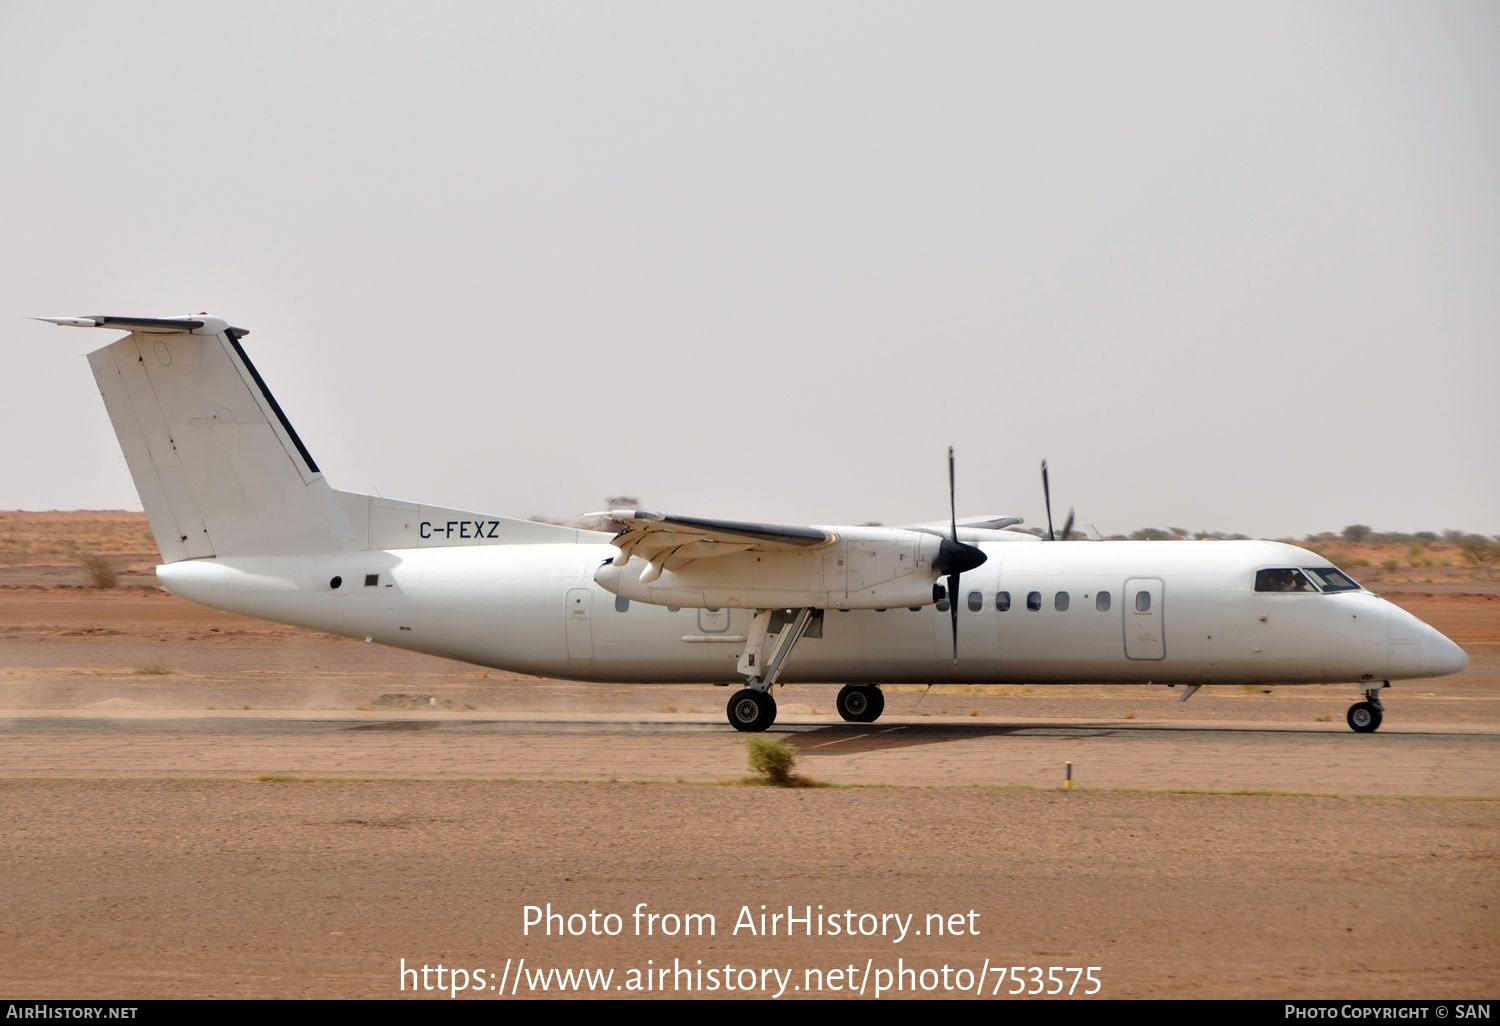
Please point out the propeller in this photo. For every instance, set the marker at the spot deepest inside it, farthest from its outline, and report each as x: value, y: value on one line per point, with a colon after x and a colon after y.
x: 1047, y: 497
x: 954, y: 556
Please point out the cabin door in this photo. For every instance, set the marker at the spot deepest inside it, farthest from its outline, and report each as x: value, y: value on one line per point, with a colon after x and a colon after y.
x: 1141, y: 607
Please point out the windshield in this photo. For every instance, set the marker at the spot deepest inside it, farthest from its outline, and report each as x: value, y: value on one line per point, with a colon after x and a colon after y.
x: 1330, y: 579
x: 1308, y: 579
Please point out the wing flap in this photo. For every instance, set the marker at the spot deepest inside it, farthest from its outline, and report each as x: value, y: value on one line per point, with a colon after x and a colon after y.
x: 667, y: 542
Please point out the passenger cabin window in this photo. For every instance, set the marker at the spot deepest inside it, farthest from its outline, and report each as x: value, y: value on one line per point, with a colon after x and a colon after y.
x: 1002, y: 601
x: 1329, y: 579
x: 1143, y: 602
x: 621, y: 603
x: 942, y: 599
x: 1101, y: 602
x: 1033, y: 600
x: 976, y: 601
x: 1284, y: 579
x: 1060, y: 602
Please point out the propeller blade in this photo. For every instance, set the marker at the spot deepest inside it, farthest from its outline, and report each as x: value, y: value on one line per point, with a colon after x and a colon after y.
x: 954, y: 556
x: 1047, y: 498
x: 952, y: 499
x: 953, y: 612
x: 1068, y: 525
x: 953, y: 536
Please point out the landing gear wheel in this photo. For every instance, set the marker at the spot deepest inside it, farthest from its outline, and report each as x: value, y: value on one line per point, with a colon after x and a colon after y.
x: 1364, y: 717
x: 752, y: 711
x: 860, y: 703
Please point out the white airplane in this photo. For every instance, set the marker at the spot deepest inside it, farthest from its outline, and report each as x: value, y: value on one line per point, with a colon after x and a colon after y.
x: 246, y: 522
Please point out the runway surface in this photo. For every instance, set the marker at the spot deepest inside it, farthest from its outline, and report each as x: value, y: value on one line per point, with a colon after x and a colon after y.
x: 202, y: 806
x: 1325, y: 759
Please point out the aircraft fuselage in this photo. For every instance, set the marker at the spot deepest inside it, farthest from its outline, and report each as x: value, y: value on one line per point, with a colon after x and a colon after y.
x: 1163, y: 612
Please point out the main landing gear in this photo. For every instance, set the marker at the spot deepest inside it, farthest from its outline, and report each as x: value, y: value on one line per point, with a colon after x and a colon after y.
x: 752, y: 710
x: 773, y: 633
x: 860, y: 703
x: 1364, y: 717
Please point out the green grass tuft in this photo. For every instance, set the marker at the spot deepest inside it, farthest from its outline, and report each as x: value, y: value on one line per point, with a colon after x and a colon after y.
x: 774, y: 760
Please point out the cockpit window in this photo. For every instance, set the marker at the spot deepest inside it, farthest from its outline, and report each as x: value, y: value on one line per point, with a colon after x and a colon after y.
x: 1282, y: 579
x: 1330, y: 579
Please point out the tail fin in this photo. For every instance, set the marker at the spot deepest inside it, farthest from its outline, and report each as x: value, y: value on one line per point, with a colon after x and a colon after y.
x: 217, y: 464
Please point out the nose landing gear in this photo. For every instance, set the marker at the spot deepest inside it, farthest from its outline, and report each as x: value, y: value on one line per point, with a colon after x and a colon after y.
x: 1364, y: 717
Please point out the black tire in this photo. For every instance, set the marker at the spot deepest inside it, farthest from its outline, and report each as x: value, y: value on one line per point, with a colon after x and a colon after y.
x: 751, y: 711
x: 860, y: 703
x: 853, y: 703
x: 1364, y: 718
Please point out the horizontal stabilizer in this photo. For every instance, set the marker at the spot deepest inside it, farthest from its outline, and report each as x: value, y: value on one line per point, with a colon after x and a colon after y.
x: 195, y: 324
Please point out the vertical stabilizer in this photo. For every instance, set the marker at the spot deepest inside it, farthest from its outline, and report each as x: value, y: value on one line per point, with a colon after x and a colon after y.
x: 217, y: 464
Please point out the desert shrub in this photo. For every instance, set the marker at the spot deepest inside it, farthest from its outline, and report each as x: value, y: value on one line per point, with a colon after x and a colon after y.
x: 101, y: 569
x: 772, y: 759
x: 1477, y: 549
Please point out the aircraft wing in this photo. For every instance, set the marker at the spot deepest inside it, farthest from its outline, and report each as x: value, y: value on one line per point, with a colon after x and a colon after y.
x: 666, y: 541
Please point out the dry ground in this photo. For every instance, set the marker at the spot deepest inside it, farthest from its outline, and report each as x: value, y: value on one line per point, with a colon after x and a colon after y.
x: 198, y: 805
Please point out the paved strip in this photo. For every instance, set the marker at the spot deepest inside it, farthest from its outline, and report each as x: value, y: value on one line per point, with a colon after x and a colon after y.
x: 967, y: 752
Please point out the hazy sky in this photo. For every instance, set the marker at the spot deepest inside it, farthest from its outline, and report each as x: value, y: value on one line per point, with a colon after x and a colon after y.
x: 1232, y: 267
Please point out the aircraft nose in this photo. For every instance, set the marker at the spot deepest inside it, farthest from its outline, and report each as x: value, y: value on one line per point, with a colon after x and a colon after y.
x: 1419, y: 650
x: 1441, y: 655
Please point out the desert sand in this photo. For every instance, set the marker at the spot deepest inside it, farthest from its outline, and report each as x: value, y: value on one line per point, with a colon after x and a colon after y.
x: 199, y: 805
